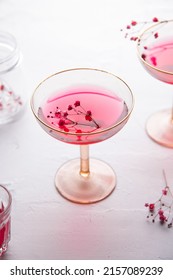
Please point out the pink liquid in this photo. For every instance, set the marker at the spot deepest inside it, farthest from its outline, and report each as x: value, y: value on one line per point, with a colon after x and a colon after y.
x: 160, y: 56
x: 83, y: 111
x: 4, y: 231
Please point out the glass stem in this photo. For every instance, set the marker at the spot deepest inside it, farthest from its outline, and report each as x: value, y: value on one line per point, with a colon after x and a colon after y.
x: 84, y: 160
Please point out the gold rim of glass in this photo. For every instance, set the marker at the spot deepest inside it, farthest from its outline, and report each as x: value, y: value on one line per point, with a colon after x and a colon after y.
x: 9, y: 202
x: 138, y: 46
x: 83, y: 133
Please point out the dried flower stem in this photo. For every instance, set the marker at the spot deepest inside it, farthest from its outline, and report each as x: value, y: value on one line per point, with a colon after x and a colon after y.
x: 162, y: 208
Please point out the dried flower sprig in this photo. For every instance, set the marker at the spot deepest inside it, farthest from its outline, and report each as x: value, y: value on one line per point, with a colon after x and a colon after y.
x: 162, y: 209
x: 65, y: 119
x: 132, y: 29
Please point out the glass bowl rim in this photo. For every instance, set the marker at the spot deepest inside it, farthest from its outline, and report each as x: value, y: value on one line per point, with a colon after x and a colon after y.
x: 138, y: 47
x: 82, y: 133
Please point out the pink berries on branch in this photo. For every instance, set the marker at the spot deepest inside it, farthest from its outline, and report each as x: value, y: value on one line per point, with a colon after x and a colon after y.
x: 65, y: 119
x: 132, y: 30
x: 161, y: 210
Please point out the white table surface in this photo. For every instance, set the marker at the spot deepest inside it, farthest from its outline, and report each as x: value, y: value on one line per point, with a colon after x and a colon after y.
x: 60, y: 34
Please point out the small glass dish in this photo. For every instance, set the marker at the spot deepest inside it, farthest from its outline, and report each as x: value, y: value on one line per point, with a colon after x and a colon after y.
x: 12, y: 94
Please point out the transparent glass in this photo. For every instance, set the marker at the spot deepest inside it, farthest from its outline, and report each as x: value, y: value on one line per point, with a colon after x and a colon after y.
x: 155, y: 50
x: 12, y: 99
x: 5, y: 211
x: 83, y: 109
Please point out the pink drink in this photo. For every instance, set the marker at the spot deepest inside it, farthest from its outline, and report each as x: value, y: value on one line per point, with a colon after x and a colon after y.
x: 160, y: 56
x: 4, y: 230
x: 82, y: 111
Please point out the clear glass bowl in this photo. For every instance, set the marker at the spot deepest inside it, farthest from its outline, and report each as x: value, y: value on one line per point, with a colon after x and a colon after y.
x: 12, y: 94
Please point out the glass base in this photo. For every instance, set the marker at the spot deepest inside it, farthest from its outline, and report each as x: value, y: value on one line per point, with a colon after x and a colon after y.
x: 160, y: 128
x: 85, y: 189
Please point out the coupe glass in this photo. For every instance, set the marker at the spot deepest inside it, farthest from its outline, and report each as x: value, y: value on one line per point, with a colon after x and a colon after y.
x: 155, y: 50
x: 83, y: 106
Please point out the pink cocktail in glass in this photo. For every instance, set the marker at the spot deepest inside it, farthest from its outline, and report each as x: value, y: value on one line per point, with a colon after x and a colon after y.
x: 83, y: 115
x: 155, y: 49
x: 83, y: 106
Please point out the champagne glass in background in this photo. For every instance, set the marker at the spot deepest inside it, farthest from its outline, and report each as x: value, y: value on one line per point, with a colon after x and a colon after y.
x: 155, y: 51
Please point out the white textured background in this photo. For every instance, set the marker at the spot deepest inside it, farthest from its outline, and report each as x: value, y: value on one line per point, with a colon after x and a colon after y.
x: 59, y: 34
